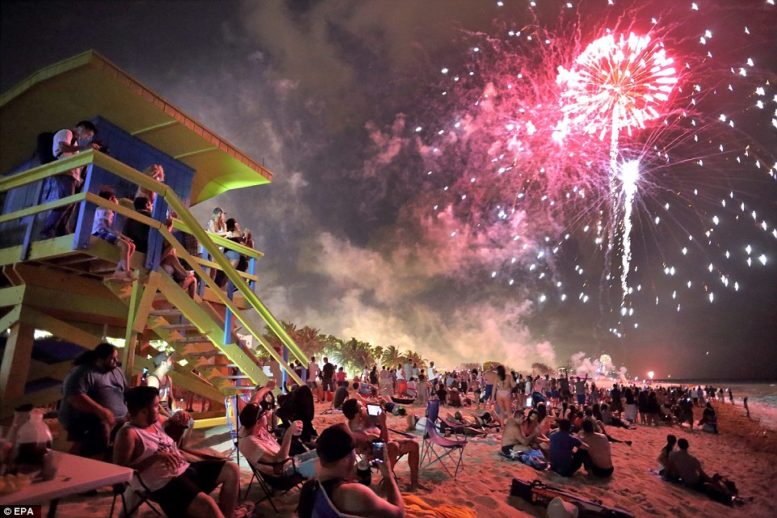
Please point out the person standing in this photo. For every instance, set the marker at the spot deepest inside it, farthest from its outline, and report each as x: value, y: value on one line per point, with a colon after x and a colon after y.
x: 93, y: 400
x: 66, y: 143
x: 327, y: 380
x: 313, y: 373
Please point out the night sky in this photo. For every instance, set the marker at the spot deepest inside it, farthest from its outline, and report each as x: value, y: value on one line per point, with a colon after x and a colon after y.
x: 327, y: 95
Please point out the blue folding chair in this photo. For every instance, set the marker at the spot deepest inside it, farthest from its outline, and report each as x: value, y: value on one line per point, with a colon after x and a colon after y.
x: 438, y: 448
x: 323, y: 506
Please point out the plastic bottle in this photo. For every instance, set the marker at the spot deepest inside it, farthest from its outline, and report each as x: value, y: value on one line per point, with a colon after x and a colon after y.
x: 32, y: 441
x: 363, y: 473
x: 20, y: 416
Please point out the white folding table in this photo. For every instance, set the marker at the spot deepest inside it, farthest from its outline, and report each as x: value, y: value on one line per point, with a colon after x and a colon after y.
x: 75, y: 475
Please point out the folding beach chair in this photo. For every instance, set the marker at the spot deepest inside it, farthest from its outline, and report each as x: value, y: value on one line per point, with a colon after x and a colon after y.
x: 436, y: 447
x: 132, y: 497
x: 272, y: 483
x: 323, y: 506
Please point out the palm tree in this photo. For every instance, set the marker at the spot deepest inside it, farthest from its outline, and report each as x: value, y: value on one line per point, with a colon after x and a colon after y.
x: 414, y: 357
x: 391, y: 356
x: 309, y: 340
x: 377, y: 354
x: 332, y: 348
x: 355, y: 355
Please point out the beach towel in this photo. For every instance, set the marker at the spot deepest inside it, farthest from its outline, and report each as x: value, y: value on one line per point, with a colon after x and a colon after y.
x: 418, y: 507
x: 534, y: 458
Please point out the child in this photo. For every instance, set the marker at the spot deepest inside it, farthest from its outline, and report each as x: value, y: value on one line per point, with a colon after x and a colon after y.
x: 102, y: 227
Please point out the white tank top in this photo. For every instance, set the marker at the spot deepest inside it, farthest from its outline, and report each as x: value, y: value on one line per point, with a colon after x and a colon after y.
x: 154, y: 441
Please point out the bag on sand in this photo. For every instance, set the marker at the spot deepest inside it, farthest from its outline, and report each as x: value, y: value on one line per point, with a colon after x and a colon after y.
x: 540, y: 494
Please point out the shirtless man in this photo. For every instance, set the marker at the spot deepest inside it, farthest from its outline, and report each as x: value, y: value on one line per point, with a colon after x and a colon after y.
x: 337, y: 457
x: 599, y: 454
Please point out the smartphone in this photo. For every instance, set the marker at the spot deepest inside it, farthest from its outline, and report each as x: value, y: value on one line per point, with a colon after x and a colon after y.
x: 374, y: 410
x: 529, y: 402
x: 377, y: 451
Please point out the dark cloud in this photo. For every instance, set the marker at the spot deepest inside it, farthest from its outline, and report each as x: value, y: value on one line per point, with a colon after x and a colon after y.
x: 326, y: 94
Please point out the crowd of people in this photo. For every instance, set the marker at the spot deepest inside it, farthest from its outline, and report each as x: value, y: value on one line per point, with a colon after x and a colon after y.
x: 131, y: 235
x: 559, y: 423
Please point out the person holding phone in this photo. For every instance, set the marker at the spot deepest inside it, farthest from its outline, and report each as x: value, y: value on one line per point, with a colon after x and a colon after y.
x: 336, y: 452
x: 367, y: 424
x: 257, y: 444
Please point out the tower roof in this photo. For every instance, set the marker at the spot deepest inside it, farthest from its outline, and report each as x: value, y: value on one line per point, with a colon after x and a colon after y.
x: 88, y: 85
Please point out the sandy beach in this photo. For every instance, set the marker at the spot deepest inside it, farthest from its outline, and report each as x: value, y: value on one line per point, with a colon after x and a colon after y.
x: 743, y: 451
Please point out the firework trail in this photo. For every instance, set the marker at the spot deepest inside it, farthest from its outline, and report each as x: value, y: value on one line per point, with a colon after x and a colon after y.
x: 617, y: 84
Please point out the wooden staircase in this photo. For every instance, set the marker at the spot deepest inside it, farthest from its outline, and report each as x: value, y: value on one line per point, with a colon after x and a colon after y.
x: 194, y: 328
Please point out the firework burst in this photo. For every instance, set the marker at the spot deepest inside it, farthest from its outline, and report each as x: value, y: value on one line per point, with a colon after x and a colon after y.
x: 591, y: 145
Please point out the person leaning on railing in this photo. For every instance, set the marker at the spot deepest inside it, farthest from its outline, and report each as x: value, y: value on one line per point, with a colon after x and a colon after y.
x: 235, y: 258
x: 66, y: 143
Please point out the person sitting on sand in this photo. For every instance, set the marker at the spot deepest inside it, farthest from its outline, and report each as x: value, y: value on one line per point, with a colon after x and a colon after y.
x: 609, y: 419
x: 684, y: 467
x: 599, y: 458
x: 544, y: 421
x: 663, y: 457
x: 709, y: 420
x: 337, y: 459
x: 685, y: 412
x: 513, y: 437
x: 364, y: 433
x: 566, y: 452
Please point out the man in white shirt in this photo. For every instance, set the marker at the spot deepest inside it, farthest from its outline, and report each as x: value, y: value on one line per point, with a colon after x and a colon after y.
x: 432, y: 372
x: 313, y: 372
x: 66, y: 143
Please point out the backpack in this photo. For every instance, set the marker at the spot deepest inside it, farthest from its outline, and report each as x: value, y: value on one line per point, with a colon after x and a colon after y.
x: 44, y: 150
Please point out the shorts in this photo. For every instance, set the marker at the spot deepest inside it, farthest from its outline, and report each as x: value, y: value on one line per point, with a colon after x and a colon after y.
x: 106, y: 235
x: 581, y: 399
x: 178, y: 494
x: 91, y: 434
x: 329, y: 385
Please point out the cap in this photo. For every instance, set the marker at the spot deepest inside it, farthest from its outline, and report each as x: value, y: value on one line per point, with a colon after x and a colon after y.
x: 559, y: 508
x: 160, y: 358
x: 250, y: 414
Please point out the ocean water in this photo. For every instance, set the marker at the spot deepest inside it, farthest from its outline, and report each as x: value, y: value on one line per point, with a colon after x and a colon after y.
x: 762, y: 398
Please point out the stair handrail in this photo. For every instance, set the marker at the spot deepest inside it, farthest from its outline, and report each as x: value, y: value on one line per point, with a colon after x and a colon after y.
x: 127, y: 172
x: 185, y: 216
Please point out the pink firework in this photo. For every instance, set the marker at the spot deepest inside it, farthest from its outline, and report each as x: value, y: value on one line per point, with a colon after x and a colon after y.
x: 616, y: 83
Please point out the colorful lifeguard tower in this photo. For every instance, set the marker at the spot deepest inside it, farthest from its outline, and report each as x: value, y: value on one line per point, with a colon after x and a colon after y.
x: 60, y: 285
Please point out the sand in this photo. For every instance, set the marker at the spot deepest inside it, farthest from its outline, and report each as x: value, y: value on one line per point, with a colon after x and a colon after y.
x: 743, y: 451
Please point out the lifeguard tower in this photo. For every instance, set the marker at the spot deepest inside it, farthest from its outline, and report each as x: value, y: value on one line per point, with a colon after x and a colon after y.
x: 55, y: 296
